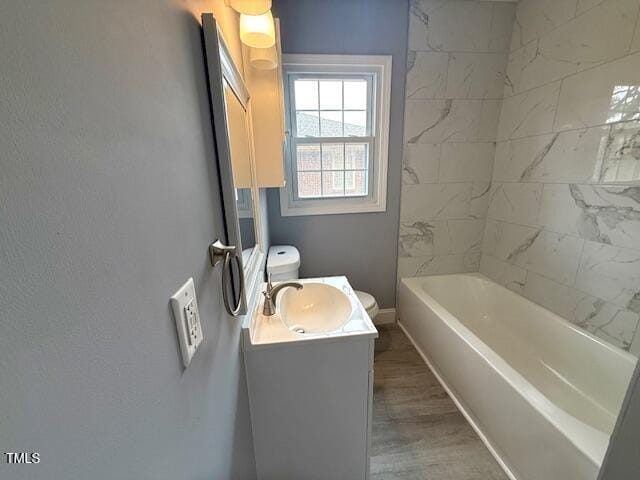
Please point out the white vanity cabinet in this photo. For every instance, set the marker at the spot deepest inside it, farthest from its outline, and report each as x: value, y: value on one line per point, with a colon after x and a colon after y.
x: 311, y: 409
x: 311, y: 397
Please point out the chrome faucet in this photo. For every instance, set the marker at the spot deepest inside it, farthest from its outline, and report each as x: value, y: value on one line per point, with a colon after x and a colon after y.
x: 271, y: 293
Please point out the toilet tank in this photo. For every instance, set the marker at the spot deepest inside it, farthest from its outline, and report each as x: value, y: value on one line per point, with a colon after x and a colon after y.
x: 283, y: 263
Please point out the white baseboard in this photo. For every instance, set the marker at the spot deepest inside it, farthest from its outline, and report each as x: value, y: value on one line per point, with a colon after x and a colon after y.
x: 384, y: 316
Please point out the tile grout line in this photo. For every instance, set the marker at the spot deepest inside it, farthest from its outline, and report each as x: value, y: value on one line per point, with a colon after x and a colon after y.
x: 578, y: 290
x: 498, y: 140
x: 466, y: 52
x: 439, y: 164
x: 509, y: 51
x: 493, y: 16
x: 575, y: 277
x: 585, y: 127
x: 576, y: 16
x: 538, y: 207
x: 518, y: 224
x: 546, y: 277
x: 571, y: 286
x: 455, y: 99
x: 446, y: 73
x: 557, y: 105
x: 562, y: 234
x: 579, y: 183
x: 613, y: 59
x: 512, y: 182
x: 560, y: 81
x: 569, y: 130
x: 635, y: 31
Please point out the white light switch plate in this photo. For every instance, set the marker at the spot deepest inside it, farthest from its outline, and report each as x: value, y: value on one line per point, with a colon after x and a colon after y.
x: 185, y: 311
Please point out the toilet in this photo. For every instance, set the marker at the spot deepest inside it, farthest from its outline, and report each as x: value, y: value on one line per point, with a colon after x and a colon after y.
x: 283, y: 264
x: 369, y: 303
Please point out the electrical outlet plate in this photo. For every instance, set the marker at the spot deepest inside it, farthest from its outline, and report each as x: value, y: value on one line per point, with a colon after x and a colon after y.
x: 185, y: 311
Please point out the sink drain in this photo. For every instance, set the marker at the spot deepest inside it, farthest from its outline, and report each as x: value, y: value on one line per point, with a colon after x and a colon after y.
x: 298, y: 329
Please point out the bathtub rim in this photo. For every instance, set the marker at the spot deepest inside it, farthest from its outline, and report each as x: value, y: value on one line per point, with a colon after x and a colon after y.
x: 563, y: 421
x: 563, y: 321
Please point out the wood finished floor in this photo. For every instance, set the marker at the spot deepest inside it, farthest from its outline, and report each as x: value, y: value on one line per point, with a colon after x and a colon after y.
x: 418, y: 433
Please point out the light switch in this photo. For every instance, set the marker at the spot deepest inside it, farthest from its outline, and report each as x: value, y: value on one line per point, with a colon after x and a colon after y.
x: 185, y: 311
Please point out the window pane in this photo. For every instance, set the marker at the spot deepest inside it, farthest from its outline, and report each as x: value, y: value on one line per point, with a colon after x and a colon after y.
x: 332, y: 156
x: 308, y: 157
x: 331, y: 124
x: 355, y: 123
x: 356, y: 156
x: 330, y: 95
x: 309, y: 184
x: 355, y: 95
x: 307, y: 124
x: 355, y: 183
x: 306, y: 92
x: 332, y: 184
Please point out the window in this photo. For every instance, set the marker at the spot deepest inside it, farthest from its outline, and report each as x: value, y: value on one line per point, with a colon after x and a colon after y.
x: 337, y: 112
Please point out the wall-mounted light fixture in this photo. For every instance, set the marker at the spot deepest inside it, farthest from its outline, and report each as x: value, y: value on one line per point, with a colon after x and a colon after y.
x: 264, y: 58
x: 257, y: 31
x: 250, y: 7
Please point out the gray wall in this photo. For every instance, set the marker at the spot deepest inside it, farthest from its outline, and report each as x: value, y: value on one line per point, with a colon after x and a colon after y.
x: 362, y: 246
x: 108, y: 200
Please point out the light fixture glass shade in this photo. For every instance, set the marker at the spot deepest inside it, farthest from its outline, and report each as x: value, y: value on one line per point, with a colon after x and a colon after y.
x: 264, y: 58
x: 257, y: 31
x: 250, y: 7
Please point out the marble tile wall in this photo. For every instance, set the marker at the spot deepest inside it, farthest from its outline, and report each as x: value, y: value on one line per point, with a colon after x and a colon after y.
x: 563, y: 218
x: 458, y: 52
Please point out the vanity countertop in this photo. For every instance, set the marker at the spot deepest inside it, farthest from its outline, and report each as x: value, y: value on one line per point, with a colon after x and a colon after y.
x: 268, y: 331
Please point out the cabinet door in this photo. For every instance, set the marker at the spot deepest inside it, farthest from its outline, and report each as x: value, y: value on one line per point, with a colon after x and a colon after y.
x: 310, y: 406
x: 267, y: 111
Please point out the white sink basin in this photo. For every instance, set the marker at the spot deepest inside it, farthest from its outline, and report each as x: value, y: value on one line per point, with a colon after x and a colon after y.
x: 326, y: 309
x: 316, y: 308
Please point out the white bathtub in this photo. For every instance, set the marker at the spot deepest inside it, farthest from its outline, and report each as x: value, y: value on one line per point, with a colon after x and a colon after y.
x: 542, y: 394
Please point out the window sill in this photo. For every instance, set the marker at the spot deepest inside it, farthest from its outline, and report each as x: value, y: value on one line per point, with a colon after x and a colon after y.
x: 339, y: 206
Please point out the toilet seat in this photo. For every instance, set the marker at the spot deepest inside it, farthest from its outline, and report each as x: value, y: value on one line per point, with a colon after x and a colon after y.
x: 368, y: 302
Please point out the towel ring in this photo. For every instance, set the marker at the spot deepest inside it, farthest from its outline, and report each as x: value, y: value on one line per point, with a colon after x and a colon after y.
x: 219, y: 252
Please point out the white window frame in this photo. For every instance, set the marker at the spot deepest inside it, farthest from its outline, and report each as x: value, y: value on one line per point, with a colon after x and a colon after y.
x: 380, y: 67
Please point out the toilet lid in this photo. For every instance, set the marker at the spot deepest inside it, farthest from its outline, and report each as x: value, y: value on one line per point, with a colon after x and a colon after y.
x: 366, y: 299
x: 282, y: 259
